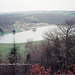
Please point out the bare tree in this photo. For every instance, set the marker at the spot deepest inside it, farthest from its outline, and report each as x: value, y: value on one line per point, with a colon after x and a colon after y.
x: 64, y: 32
x: 67, y: 32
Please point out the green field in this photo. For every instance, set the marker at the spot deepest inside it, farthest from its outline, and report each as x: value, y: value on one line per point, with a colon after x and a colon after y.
x: 6, y: 48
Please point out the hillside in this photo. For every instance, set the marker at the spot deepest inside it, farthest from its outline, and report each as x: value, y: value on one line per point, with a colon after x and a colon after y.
x: 51, y: 17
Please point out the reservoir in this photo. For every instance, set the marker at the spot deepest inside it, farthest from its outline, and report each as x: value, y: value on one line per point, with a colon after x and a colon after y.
x: 24, y: 36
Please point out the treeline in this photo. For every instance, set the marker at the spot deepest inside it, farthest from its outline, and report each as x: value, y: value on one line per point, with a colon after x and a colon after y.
x: 35, y: 17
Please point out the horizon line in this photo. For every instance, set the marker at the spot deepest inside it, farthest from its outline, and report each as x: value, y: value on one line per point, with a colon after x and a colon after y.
x: 31, y: 11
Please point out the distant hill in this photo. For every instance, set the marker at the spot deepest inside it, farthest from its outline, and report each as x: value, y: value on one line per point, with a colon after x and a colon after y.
x: 51, y: 17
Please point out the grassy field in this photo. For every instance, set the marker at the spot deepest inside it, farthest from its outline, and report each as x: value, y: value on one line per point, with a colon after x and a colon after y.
x: 5, y: 48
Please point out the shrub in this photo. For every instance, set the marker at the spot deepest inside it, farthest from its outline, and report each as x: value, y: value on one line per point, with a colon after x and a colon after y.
x: 37, y: 70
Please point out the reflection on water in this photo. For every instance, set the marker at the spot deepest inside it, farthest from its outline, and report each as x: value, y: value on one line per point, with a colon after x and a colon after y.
x: 24, y: 36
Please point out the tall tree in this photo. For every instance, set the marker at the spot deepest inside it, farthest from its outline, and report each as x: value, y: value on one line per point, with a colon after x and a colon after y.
x: 64, y: 32
x: 13, y: 56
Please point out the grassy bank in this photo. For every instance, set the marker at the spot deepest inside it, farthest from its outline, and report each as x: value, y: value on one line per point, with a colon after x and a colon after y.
x: 5, y: 48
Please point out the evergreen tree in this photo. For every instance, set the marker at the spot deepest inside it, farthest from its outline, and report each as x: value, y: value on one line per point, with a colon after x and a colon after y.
x: 13, y: 55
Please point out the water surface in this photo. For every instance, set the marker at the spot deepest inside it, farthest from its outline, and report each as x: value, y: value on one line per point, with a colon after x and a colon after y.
x: 24, y: 36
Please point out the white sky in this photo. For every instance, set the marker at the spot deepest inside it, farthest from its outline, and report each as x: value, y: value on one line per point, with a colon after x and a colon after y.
x: 32, y: 5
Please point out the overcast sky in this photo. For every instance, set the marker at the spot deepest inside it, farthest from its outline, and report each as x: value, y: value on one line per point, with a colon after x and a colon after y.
x: 32, y: 5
